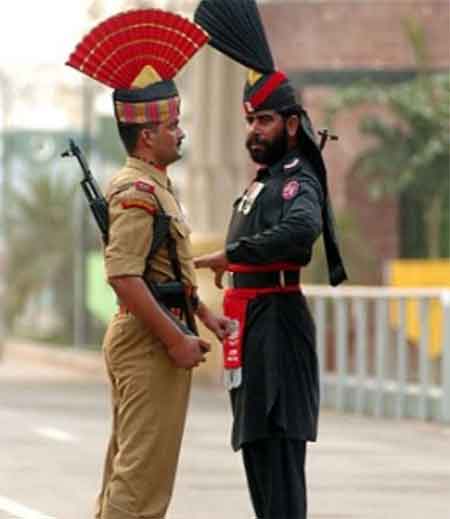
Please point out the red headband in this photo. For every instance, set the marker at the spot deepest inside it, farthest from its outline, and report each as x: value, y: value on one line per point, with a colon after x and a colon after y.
x: 265, y: 91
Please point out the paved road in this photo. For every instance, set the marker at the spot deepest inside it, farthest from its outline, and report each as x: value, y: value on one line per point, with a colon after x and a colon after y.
x: 54, y: 426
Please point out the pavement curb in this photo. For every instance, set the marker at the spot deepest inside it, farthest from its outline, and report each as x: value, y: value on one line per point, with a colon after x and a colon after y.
x: 79, y: 361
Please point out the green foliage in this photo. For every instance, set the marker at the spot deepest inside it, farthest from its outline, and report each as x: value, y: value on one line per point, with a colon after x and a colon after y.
x: 409, y: 139
x: 40, y: 233
x: 107, y: 141
x: 40, y: 242
x: 358, y: 256
x: 412, y: 151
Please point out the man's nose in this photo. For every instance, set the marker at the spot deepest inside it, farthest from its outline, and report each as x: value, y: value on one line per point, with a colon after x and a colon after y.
x: 253, y: 132
x: 254, y: 129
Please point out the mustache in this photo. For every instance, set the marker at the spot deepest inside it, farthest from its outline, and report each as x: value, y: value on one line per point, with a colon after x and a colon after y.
x: 255, y: 139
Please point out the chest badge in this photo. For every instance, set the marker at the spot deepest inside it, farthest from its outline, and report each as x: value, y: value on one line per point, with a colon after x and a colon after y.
x: 249, y: 197
x: 291, y: 189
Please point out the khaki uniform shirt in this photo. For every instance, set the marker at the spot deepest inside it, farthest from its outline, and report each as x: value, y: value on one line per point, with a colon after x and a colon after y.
x: 133, y: 195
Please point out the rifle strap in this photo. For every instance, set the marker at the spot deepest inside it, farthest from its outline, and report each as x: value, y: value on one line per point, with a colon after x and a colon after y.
x: 161, y: 236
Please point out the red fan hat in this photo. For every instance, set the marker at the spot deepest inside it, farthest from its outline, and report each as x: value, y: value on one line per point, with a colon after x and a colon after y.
x: 138, y: 53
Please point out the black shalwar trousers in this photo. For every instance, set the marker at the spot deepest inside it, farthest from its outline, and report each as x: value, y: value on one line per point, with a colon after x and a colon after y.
x: 275, y: 469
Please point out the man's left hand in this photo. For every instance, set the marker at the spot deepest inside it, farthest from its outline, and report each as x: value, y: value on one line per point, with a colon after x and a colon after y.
x: 218, y: 324
x: 217, y: 262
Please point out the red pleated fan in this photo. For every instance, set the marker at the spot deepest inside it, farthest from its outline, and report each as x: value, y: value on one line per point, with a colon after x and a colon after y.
x: 116, y: 50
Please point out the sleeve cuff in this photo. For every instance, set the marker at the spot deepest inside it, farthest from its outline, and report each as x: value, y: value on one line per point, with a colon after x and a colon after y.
x: 124, y: 267
x: 231, y: 252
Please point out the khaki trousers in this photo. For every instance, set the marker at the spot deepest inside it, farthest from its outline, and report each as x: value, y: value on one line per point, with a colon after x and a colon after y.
x: 149, y: 399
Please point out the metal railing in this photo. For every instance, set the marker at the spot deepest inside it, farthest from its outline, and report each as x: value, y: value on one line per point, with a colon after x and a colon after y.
x: 371, y: 362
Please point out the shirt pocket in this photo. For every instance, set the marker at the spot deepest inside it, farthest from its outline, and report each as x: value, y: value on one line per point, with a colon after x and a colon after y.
x: 180, y: 232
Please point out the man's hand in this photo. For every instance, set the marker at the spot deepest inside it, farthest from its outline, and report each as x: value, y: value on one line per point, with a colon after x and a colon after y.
x: 186, y: 351
x: 217, y: 262
x: 189, y: 352
x: 218, y: 324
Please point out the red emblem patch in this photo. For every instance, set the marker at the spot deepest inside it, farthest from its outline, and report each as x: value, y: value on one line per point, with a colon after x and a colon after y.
x: 291, y: 189
x: 140, y: 185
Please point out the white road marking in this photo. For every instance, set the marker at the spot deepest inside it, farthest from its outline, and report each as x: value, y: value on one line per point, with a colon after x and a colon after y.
x: 56, y: 434
x: 19, y: 511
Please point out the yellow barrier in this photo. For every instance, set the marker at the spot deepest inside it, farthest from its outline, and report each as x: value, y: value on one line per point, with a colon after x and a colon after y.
x: 420, y: 273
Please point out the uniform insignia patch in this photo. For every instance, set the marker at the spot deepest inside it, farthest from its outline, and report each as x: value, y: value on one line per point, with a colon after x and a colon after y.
x: 139, y: 204
x: 292, y: 164
x: 291, y: 189
x: 249, y: 197
x: 140, y: 185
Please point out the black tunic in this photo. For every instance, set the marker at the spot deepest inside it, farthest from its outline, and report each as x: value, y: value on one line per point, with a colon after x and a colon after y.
x: 279, y: 394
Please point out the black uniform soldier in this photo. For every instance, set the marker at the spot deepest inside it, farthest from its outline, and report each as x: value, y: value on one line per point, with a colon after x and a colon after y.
x: 270, y: 357
x: 148, y: 356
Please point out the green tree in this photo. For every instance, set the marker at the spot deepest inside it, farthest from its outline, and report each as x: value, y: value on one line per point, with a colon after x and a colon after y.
x: 409, y: 154
x: 40, y: 244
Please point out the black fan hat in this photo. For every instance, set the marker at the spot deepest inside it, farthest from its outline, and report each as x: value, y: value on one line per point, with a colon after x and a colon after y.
x: 236, y: 30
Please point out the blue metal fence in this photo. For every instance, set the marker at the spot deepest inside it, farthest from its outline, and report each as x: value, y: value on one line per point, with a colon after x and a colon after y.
x: 368, y: 364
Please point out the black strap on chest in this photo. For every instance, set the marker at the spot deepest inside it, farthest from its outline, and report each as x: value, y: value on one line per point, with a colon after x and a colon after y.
x: 161, y: 231
x: 161, y: 236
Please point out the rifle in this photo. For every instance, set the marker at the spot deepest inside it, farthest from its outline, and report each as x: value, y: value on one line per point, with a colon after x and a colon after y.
x: 97, y: 202
x: 99, y: 208
x: 324, y: 136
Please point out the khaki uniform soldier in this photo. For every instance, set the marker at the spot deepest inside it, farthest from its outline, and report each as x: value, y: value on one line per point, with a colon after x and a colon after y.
x: 149, y: 353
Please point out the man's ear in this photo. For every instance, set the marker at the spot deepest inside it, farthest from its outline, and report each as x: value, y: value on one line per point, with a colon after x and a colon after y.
x: 292, y: 125
x: 146, y: 135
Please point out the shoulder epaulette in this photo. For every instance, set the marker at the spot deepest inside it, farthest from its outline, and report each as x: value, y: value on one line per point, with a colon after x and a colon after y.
x: 145, y: 186
x: 119, y: 189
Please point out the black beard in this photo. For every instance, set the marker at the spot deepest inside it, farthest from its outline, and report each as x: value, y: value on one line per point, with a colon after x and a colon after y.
x: 271, y: 152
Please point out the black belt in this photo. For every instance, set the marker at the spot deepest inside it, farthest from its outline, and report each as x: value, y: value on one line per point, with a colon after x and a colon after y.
x: 171, y: 294
x: 281, y: 278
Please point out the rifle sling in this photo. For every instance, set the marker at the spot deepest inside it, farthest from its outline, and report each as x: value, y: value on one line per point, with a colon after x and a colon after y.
x: 161, y: 235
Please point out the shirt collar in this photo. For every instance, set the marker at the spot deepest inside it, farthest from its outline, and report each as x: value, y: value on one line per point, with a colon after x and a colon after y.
x: 288, y: 160
x: 149, y: 170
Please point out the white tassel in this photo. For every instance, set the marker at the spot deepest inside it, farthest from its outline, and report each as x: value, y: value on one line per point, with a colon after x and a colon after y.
x: 232, y: 378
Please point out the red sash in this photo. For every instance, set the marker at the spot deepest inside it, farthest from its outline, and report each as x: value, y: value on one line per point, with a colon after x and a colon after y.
x: 235, y: 307
x: 271, y: 267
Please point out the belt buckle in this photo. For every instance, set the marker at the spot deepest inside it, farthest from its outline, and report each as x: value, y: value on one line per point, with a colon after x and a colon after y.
x: 282, y: 278
x: 230, y: 279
